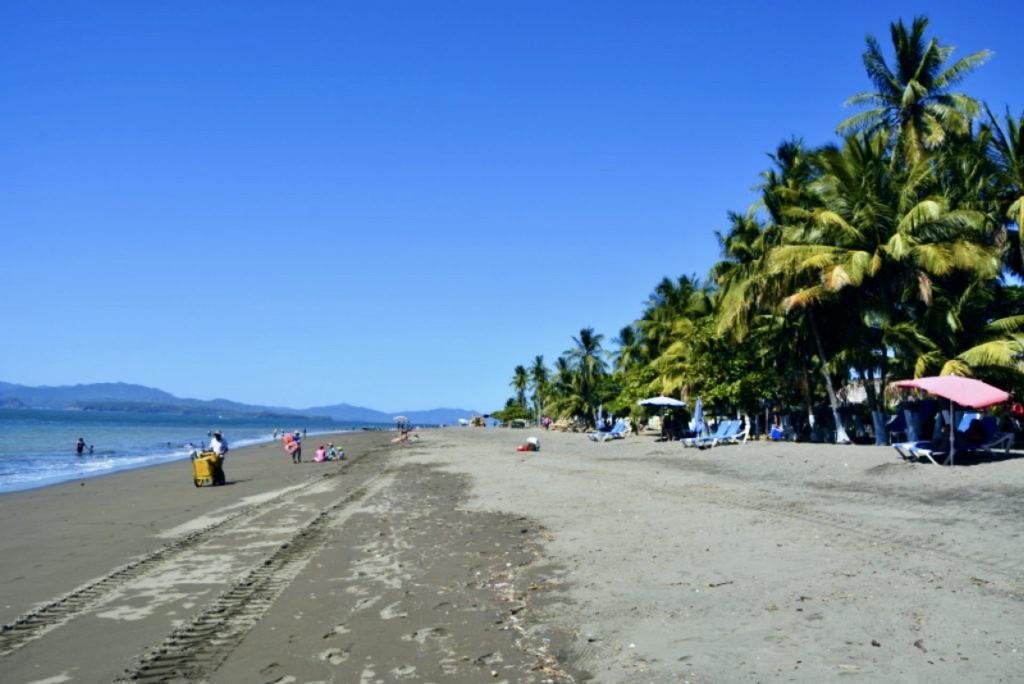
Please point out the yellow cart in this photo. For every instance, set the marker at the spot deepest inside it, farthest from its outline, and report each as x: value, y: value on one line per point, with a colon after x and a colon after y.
x: 207, y: 469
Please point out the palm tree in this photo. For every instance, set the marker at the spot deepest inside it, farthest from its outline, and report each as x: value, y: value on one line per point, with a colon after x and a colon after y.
x: 978, y: 332
x: 565, y: 398
x: 912, y: 106
x: 1006, y: 150
x: 588, y: 364
x: 877, y: 252
x: 520, y: 381
x: 631, y: 349
x: 539, y: 383
x: 750, y: 287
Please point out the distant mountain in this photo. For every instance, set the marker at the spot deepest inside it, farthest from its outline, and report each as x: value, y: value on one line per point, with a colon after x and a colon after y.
x: 355, y: 414
x: 359, y: 414
x: 61, y: 397
x: 120, y: 396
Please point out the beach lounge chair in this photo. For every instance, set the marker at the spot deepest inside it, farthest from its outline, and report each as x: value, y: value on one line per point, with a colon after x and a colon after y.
x: 693, y: 441
x: 990, y: 437
x: 990, y: 441
x: 725, y: 428
x: 618, y: 431
x: 732, y: 436
x: 740, y: 437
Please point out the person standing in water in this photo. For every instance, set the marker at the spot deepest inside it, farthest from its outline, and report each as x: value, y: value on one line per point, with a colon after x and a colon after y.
x: 80, y: 446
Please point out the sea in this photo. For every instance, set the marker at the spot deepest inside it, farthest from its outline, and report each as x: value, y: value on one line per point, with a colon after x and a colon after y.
x: 37, y: 446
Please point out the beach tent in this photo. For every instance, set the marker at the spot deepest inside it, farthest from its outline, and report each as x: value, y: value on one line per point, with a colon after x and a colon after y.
x: 963, y: 391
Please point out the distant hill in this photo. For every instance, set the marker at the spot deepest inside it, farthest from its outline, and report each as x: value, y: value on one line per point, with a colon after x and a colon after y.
x: 120, y: 396
x: 359, y: 414
x: 62, y: 397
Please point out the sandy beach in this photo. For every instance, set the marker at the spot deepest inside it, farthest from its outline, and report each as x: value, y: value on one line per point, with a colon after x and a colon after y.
x: 455, y: 558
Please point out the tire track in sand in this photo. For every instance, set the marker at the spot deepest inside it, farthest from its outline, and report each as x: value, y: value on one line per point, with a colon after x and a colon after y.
x: 195, y: 650
x: 62, y: 609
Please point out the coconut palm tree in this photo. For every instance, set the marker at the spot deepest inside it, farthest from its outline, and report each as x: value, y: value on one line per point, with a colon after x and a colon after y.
x: 520, y: 381
x: 913, y: 107
x: 632, y: 350
x: 976, y: 332
x: 588, y: 364
x: 565, y: 396
x: 750, y: 286
x: 1006, y: 150
x: 539, y: 383
x: 878, y: 250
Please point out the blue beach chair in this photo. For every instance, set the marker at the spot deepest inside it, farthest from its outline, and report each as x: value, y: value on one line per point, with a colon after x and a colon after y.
x: 721, y: 433
x: 618, y: 431
x: 987, y: 442
x: 731, y: 436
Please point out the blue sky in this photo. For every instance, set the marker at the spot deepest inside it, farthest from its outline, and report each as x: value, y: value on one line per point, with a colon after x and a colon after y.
x: 392, y: 204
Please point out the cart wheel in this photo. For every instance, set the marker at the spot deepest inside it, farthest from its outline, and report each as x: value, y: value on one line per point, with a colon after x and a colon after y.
x: 196, y: 482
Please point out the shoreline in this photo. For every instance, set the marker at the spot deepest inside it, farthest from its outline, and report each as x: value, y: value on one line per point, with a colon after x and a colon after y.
x: 454, y: 557
x: 155, y: 457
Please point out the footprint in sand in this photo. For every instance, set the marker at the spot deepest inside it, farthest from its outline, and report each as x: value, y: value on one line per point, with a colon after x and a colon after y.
x: 334, y: 656
x: 269, y: 669
x: 391, y: 612
x: 403, y: 671
x: 338, y: 629
x: 364, y: 603
x: 421, y: 635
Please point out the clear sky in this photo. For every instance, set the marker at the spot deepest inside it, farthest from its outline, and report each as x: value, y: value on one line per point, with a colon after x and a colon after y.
x: 394, y: 203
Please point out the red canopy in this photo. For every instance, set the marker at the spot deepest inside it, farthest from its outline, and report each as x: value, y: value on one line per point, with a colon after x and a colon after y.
x: 964, y: 391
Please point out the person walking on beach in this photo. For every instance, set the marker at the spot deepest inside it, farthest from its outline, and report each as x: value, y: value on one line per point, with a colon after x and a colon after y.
x: 297, y: 455
x: 80, y: 446
x: 219, y: 446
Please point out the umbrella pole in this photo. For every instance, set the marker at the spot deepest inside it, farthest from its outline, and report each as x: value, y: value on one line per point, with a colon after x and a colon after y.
x: 952, y: 434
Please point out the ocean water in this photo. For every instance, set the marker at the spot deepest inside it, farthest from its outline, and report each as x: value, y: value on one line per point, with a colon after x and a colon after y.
x: 37, y: 447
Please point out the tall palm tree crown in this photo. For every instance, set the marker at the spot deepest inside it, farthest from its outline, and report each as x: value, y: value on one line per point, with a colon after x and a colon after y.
x: 913, y: 108
x: 520, y: 381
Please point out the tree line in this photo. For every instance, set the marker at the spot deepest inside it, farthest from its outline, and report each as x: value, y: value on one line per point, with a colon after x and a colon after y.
x: 894, y: 252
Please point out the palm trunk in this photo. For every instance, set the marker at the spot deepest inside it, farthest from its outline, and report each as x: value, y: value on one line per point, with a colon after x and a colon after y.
x: 841, y: 436
x: 877, y: 419
x: 808, y: 393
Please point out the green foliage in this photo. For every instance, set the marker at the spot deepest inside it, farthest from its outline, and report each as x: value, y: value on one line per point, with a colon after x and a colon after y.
x: 513, y: 411
x: 875, y: 258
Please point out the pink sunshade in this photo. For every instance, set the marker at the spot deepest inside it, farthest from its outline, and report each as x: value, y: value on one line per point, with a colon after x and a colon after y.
x: 964, y: 391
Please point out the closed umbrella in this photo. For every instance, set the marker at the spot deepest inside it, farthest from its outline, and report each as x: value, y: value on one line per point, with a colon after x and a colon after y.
x: 698, y: 417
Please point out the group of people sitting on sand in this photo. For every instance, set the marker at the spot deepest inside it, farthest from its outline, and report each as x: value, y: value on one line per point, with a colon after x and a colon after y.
x: 332, y: 453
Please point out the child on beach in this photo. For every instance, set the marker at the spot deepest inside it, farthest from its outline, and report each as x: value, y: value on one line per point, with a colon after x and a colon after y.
x: 320, y: 454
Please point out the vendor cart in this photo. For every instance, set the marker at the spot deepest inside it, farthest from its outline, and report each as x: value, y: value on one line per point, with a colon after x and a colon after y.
x: 207, y: 469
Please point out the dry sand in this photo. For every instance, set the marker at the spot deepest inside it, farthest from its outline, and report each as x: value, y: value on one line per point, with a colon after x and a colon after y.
x: 455, y: 558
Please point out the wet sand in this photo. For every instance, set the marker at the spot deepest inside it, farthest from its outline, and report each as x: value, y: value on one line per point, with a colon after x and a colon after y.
x: 455, y: 558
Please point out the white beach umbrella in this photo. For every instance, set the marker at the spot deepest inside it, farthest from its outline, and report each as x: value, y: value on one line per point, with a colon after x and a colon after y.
x: 662, y: 402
